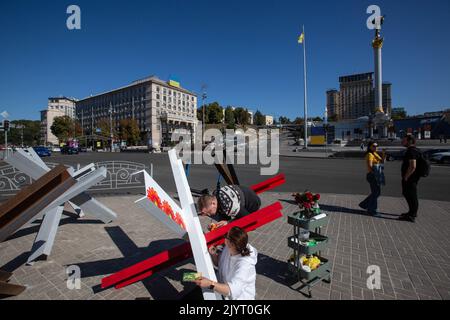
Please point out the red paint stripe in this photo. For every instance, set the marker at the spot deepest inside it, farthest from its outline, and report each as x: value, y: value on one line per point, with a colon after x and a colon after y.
x: 269, y: 184
x: 182, y: 252
x: 145, y: 265
x: 152, y: 271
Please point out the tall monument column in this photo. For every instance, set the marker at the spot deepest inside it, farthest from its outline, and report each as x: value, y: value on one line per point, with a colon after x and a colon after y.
x: 377, y: 45
x: 380, y: 120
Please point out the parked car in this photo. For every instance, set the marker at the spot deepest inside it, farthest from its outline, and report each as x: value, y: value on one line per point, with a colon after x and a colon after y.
x: 395, y: 155
x: 82, y: 149
x: 56, y: 149
x: 42, y: 151
x: 430, y: 153
x: 69, y: 150
x: 2, y: 148
x: 443, y: 158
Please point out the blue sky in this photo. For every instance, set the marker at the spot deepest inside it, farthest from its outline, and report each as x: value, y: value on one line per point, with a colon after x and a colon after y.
x: 245, y: 51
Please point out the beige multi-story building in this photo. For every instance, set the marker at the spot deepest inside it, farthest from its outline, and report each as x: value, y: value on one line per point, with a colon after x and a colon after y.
x: 356, y: 97
x: 268, y: 120
x: 160, y: 108
x: 57, y: 107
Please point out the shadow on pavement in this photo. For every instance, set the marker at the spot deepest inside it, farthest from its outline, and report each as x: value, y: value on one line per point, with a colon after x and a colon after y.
x: 158, y: 286
x: 338, y: 209
x: 275, y: 270
x: 71, y: 218
x: 16, y: 263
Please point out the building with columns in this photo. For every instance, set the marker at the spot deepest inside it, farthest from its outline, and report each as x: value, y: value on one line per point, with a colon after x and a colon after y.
x: 159, y: 107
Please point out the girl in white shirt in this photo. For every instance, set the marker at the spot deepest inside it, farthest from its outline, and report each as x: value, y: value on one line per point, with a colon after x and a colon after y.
x: 237, y: 273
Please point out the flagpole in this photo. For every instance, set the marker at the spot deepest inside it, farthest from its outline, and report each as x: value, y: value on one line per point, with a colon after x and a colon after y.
x: 305, y: 88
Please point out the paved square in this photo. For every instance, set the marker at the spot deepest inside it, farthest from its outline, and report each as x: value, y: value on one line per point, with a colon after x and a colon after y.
x: 414, y: 258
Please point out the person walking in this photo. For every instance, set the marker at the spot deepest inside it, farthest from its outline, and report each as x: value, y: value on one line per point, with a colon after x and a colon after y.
x: 375, y: 177
x: 410, y: 178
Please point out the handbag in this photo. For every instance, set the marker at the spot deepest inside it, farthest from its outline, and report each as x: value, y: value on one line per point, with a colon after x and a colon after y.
x: 378, y: 170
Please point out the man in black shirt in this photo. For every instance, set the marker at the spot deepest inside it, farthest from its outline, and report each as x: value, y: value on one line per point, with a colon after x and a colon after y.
x: 229, y: 203
x: 410, y: 178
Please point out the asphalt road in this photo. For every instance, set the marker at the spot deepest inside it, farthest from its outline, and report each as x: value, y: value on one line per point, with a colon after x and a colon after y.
x: 340, y: 176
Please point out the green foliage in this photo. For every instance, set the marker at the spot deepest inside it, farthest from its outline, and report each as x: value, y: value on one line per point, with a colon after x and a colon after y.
x: 31, y: 133
x: 200, y: 114
x: 284, y: 120
x: 129, y: 131
x: 400, y: 115
x: 63, y: 128
x: 260, y: 120
x: 104, y: 126
x: 214, y: 113
x: 299, y: 121
x: 241, y: 116
x: 229, y: 118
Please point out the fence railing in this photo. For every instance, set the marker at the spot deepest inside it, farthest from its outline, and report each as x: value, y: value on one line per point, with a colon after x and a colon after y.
x: 119, y: 177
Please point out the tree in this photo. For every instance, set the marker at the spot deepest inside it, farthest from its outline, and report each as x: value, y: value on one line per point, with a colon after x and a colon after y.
x: 260, y: 120
x: 317, y: 119
x: 241, y: 116
x: 29, y: 130
x: 200, y: 114
x: 399, y: 115
x: 104, y: 126
x: 214, y: 113
x: 63, y: 128
x: 299, y: 121
x: 229, y: 118
x: 284, y: 120
x: 129, y: 131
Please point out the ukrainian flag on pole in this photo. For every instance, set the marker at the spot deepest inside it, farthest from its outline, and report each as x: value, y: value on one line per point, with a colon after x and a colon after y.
x: 301, y: 38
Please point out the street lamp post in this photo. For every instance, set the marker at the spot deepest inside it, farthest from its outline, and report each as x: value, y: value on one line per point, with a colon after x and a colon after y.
x: 110, y: 126
x: 5, y: 116
x: 204, y: 111
x: 204, y: 96
x: 92, y: 128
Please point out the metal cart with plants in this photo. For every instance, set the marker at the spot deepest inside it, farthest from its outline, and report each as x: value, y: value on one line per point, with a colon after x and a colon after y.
x: 307, y: 242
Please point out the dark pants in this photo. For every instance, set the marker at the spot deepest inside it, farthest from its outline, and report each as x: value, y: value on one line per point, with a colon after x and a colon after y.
x: 371, y: 202
x: 409, y: 189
